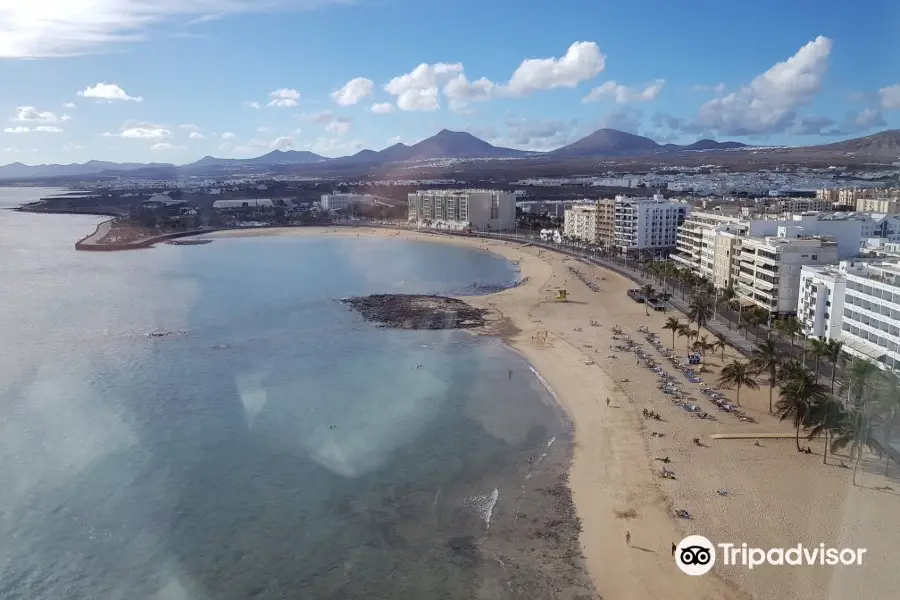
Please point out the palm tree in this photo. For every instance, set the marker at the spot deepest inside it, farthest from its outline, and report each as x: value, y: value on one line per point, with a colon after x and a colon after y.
x: 833, y: 349
x: 790, y: 327
x: 887, y: 406
x: 738, y: 375
x: 686, y: 332
x: 824, y: 415
x: 797, y: 397
x: 673, y: 324
x: 790, y: 369
x: 765, y: 359
x: 818, y: 349
x: 860, y: 379
x: 700, y: 310
x: 854, y: 430
x: 720, y: 344
x: 703, y: 345
x: 648, y: 292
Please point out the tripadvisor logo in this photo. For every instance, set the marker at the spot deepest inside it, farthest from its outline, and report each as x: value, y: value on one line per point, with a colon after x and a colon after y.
x: 696, y: 555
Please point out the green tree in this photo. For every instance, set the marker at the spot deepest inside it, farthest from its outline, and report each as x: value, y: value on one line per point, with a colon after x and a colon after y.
x: 738, y: 375
x: 833, y: 349
x: 721, y: 343
x: 818, y: 350
x: 673, y: 325
x: 648, y: 292
x: 824, y: 415
x: 856, y: 431
x: 790, y: 328
x: 797, y: 397
x: 700, y: 310
x: 887, y: 406
x: 765, y: 359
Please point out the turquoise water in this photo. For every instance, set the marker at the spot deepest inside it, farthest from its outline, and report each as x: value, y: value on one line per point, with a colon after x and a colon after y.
x: 276, y: 447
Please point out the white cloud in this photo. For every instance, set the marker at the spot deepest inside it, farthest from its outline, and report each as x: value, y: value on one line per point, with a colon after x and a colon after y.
x: 108, y: 92
x: 624, y: 94
x: 228, y: 135
x: 196, y: 135
x: 582, y: 61
x: 29, y: 114
x: 68, y: 105
x: 890, y: 97
x: 16, y: 130
x: 459, y: 91
x: 285, y: 142
x: 189, y: 127
x: 419, y: 90
x: 73, y: 147
x: 10, y: 149
x: 719, y: 88
x: 71, y: 27
x: 332, y: 123
x: 141, y: 131
x: 165, y: 147
x: 382, y: 108
x: 284, y: 98
x: 334, y: 146
x: 48, y: 129
x: 353, y: 91
x: 253, y: 105
x: 264, y: 129
x: 394, y: 140
x: 768, y: 104
x: 535, y: 134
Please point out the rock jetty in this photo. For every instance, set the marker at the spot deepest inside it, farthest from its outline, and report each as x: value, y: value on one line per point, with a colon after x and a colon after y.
x: 408, y: 311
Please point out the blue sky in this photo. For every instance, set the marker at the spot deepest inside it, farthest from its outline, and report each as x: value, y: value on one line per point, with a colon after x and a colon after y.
x: 174, y: 80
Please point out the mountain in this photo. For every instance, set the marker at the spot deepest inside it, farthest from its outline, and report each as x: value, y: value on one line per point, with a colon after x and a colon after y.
x: 607, y: 142
x: 884, y: 143
x: 458, y: 144
x: 710, y: 145
x: 17, y: 170
x: 275, y: 157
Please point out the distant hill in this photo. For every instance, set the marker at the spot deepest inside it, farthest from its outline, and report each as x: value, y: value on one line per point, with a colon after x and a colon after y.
x: 18, y: 170
x: 711, y: 145
x: 607, y: 142
x: 883, y: 143
x: 449, y: 144
x: 457, y: 144
x: 275, y: 157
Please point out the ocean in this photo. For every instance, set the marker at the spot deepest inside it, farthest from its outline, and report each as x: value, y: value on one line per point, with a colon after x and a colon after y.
x: 272, y: 444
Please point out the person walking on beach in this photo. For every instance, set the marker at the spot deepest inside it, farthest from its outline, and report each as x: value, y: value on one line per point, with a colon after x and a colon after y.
x: 509, y: 373
x: 674, y: 547
x: 607, y: 401
x: 628, y: 538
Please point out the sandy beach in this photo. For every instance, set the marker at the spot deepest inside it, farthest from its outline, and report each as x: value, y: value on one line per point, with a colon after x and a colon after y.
x: 775, y: 496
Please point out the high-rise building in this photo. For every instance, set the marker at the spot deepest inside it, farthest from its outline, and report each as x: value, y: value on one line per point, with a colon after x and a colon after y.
x: 333, y: 202
x: 647, y: 226
x: 580, y: 223
x: 484, y: 210
x: 769, y: 269
x: 857, y: 303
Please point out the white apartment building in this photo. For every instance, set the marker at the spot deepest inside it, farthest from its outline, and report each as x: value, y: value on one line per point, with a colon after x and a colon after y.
x: 868, y: 320
x: 580, y: 223
x: 485, y: 210
x: 884, y: 205
x: 796, y: 205
x: 648, y: 224
x: 820, y: 305
x: 334, y: 202
x: 768, y: 273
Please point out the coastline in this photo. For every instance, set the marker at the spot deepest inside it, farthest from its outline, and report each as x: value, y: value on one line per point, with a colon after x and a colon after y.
x: 612, y: 473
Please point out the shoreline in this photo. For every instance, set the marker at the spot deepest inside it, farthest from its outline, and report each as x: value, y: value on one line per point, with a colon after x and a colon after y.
x: 612, y: 473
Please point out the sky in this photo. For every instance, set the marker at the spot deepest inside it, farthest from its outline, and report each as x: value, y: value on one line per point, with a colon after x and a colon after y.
x: 174, y: 80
